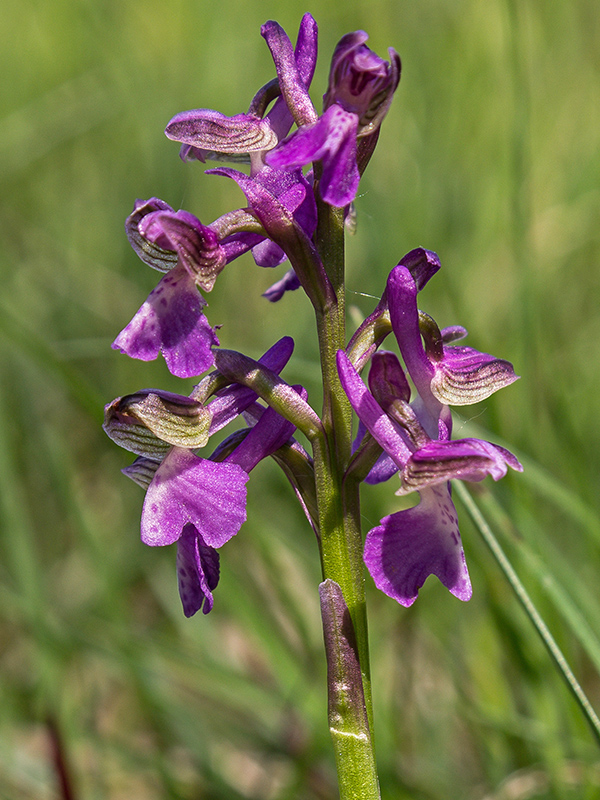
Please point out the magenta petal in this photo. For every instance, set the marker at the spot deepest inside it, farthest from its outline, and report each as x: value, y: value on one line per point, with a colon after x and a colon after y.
x: 461, y: 459
x: 466, y: 376
x: 268, y: 254
x: 269, y: 434
x: 171, y: 321
x: 411, y: 545
x: 387, y: 380
x: 292, y: 74
x: 382, y: 470
x: 186, y: 489
x: 276, y: 195
x: 422, y: 265
x: 210, y: 130
x: 332, y: 139
x: 288, y: 283
x: 340, y: 179
x: 368, y: 410
x: 197, y: 572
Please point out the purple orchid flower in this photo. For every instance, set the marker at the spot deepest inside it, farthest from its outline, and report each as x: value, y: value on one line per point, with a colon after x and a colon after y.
x: 207, y: 134
x: 361, y: 87
x: 410, y: 545
x: 171, y: 320
x: 201, y: 504
x: 198, y: 503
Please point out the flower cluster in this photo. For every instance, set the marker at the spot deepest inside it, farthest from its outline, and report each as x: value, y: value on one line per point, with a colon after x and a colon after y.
x: 199, y: 501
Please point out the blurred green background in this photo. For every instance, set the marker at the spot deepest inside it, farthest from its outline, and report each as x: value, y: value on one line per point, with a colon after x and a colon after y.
x: 490, y: 155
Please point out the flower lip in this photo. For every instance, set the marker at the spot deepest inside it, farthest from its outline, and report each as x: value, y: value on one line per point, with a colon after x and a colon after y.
x: 171, y: 321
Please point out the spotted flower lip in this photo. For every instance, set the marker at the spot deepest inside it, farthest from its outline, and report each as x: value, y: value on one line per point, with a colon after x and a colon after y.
x: 408, y: 546
x: 171, y: 321
x: 188, y: 489
x: 196, y: 502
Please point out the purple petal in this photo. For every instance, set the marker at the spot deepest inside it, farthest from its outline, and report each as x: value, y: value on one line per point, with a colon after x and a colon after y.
x: 171, y: 321
x: 410, y: 545
x: 239, y: 243
x: 466, y: 376
x: 305, y: 54
x: 370, y: 412
x: 305, y: 51
x: 387, y: 380
x: 190, y: 489
x: 332, y: 139
x: 291, y: 80
x: 269, y: 434
x: 453, y: 333
x: 461, y: 459
x: 402, y: 300
x: 383, y: 469
x: 268, y: 254
x: 288, y: 283
x: 277, y: 196
x: 422, y: 265
x: 340, y: 179
x: 197, y: 572
x: 196, y: 244
x: 210, y: 130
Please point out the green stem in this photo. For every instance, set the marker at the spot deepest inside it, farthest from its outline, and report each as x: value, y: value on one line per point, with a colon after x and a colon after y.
x: 339, y: 525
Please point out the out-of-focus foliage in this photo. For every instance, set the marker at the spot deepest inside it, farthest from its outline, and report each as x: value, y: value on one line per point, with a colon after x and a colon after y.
x: 490, y: 156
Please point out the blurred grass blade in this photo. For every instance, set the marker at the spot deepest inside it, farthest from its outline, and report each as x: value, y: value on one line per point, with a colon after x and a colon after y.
x: 37, y: 349
x: 577, y: 608
x: 530, y: 609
